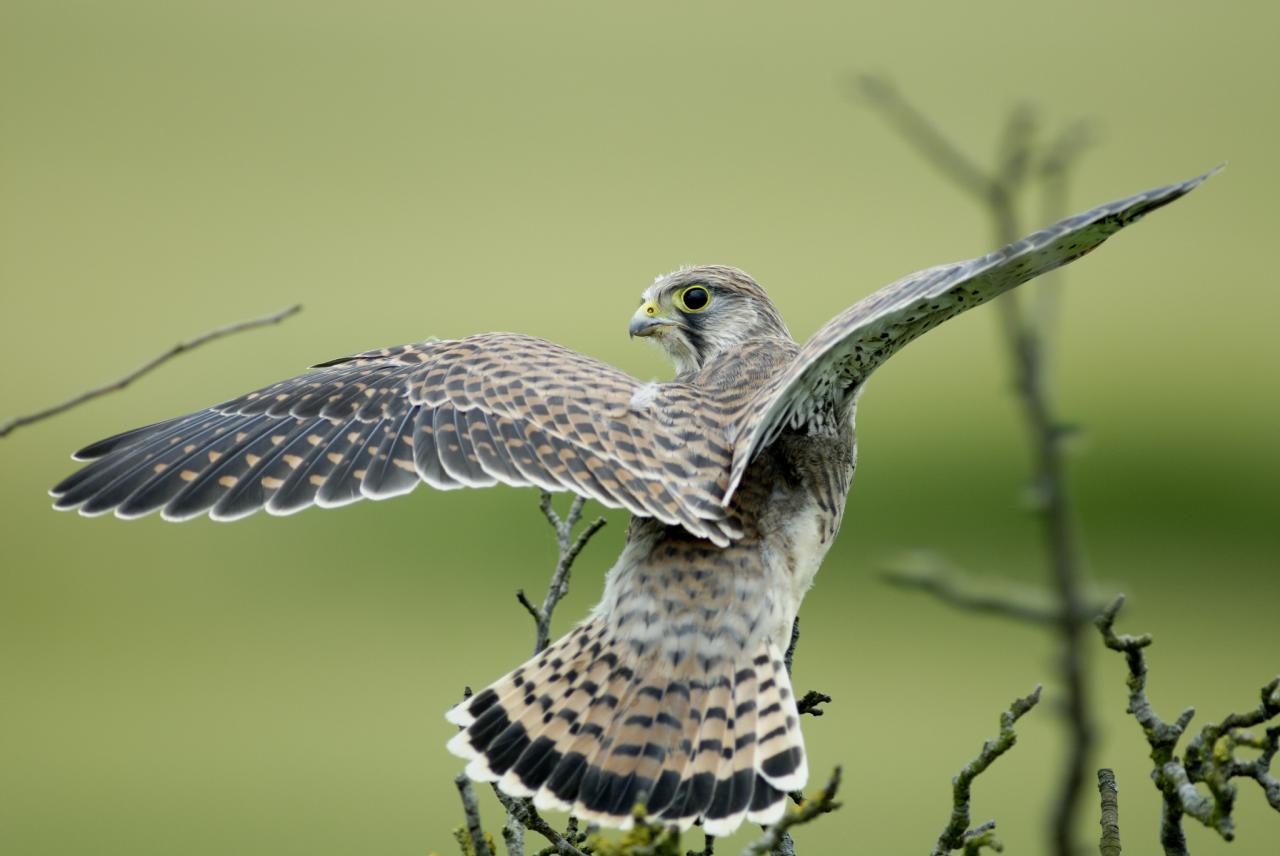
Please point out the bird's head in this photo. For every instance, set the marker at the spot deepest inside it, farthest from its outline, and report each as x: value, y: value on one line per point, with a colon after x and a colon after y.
x: 698, y: 312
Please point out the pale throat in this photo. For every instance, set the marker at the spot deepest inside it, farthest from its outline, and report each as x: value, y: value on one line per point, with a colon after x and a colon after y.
x: 682, y: 356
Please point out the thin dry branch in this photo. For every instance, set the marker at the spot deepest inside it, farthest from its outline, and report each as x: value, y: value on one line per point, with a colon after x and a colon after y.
x: 1109, y: 816
x: 569, y: 550
x: 777, y: 838
x: 955, y: 589
x: 1210, y: 756
x: 152, y: 364
x: 513, y: 835
x: 522, y: 811
x: 1029, y: 604
x: 957, y: 835
x: 997, y: 189
x: 479, y: 845
x: 811, y: 702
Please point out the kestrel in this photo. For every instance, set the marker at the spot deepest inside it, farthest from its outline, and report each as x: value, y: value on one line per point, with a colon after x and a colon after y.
x: 673, y: 691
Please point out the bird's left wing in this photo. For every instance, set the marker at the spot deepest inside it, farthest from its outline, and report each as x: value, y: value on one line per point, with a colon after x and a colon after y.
x: 473, y: 412
x: 831, y: 365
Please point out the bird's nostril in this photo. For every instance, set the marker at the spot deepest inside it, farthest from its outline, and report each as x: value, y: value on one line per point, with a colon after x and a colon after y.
x: 650, y: 310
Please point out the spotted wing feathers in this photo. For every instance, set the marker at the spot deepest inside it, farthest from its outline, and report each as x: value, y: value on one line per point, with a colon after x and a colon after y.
x: 838, y: 358
x: 488, y: 409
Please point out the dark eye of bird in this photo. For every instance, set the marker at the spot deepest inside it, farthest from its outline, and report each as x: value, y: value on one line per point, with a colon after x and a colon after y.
x: 694, y: 298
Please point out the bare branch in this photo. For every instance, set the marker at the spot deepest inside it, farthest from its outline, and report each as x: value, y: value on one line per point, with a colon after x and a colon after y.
x: 997, y: 190
x: 1055, y: 172
x: 513, y: 835
x: 918, y: 130
x: 569, y: 550
x: 776, y: 840
x: 957, y: 834
x: 523, y: 812
x: 1210, y: 756
x: 154, y: 363
x: 1109, y: 820
x: 471, y: 809
x: 810, y: 702
x: 956, y: 589
x: 1030, y: 604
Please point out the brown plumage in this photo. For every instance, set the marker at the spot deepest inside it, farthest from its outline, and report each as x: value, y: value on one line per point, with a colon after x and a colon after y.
x: 672, y: 692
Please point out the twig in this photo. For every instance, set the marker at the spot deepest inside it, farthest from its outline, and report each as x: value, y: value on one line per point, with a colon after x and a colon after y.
x: 471, y: 809
x: 513, y: 835
x: 569, y: 550
x: 957, y: 835
x: 955, y: 589
x: 1055, y: 174
x: 1210, y: 755
x: 1109, y: 819
x: 155, y: 362
x: 912, y: 125
x: 811, y: 701
x: 778, y: 836
x: 523, y: 812
x: 1162, y: 737
x: 997, y: 190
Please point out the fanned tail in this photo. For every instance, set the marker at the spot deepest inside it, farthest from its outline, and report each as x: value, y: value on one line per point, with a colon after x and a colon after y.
x: 590, y: 727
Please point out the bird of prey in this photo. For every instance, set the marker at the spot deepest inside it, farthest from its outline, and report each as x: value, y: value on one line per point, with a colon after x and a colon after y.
x: 672, y: 692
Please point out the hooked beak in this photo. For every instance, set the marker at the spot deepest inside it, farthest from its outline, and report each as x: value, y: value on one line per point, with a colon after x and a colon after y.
x: 648, y: 320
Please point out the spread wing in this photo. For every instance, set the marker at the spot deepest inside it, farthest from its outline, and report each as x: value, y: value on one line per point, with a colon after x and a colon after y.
x: 831, y: 365
x: 473, y: 412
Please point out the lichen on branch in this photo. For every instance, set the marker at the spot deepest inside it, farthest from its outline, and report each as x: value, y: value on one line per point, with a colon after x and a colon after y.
x: 958, y: 835
x: 1209, y: 758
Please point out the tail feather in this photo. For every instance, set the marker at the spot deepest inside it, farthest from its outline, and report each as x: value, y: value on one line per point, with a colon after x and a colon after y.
x: 608, y: 781
x: 589, y: 727
x: 736, y: 779
x: 697, y: 786
x: 781, y: 749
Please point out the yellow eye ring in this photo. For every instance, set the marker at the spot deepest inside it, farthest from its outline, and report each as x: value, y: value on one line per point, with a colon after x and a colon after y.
x: 695, y: 298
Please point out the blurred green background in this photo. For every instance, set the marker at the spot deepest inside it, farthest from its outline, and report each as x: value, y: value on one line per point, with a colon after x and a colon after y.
x: 409, y: 169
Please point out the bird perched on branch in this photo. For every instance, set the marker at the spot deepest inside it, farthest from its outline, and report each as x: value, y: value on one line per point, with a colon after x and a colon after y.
x: 673, y: 691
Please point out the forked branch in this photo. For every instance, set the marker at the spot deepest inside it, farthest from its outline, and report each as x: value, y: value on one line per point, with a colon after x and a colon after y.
x: 1019, y: 160
x: 569, y: 550
x: 1209, y: 758
x: 958, y: 835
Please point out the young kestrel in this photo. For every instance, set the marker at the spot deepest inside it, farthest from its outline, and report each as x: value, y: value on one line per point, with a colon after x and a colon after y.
x: 673, y: 690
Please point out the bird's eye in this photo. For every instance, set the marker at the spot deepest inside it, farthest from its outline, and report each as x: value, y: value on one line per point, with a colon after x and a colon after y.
x: 695, y: 298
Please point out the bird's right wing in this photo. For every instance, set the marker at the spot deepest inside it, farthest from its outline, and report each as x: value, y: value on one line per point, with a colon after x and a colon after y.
x: 833, y: 364
x: 473, y: 412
